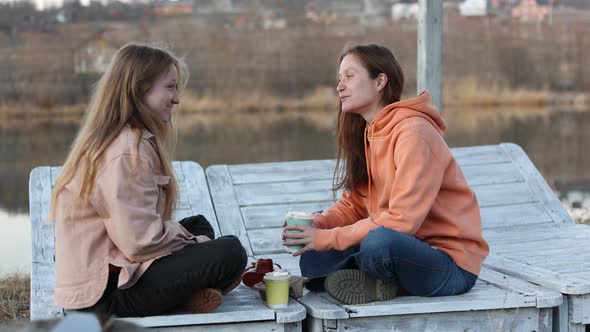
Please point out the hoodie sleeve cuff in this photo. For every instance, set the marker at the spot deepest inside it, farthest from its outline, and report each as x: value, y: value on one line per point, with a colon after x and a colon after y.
x: 341, y: 238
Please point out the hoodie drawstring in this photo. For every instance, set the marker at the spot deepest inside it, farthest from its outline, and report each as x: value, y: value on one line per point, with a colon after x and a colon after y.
x: 368, y: 163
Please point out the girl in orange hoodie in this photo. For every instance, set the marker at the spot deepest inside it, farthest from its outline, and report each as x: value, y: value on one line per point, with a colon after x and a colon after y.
x: 407, y: 218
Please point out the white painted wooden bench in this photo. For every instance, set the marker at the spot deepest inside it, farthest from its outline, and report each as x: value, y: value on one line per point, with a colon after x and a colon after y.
x: 251, y: 200
x: 241, y: 309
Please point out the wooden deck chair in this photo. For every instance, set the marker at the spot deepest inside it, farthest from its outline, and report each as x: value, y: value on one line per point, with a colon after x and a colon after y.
x: 251, y: 201
x: 241, y: 309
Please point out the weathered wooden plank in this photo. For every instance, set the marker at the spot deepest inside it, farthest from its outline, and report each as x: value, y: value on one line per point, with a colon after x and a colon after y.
x: 553, y: 280
x: 573, y: 265
x: 283, y: 171
x: 182, y: 201
x: 491, y: 174
x: 525, y: 233
x: 537, y: 183
x: 286, y: 261
x: 266, y: 241
x: 562, y: 319
x: 226, y: 205
x: 560, y: 254
x: 510, y: 215
x: 55, y: 170
x: 283, y: 192
x: 472, y: 301
x: 196, y: 190
x: 43, y: 244
x: 504, y: 194
x: 181, y: 214
x: 319, y: 307
x: 545, y: 298
x: 579, y: 274
x: 478, y: 155
x: 314, y: 191
x: 264, y: 216
x: 468, y: 158
x: 232, y: 327
x: 493, y: 291
x: 295, y: 312
x: 544, y: 240
x: 518, y: 319
x: 178, y: 171
x: 552, y: 248
x: 324, y: 169
x: 579, y: 309
x: 240, y: 305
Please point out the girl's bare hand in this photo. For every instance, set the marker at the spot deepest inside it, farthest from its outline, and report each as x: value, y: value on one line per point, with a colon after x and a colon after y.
x: 306, y: 237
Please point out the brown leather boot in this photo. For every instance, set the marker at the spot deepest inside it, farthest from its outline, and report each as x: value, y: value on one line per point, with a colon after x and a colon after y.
x: 204, y: 300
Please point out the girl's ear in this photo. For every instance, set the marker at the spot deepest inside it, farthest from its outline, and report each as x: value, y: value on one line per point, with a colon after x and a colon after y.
x: 381, y: 81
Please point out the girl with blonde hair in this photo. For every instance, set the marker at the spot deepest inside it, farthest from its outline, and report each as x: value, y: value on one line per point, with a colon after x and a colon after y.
x: 118, y: 251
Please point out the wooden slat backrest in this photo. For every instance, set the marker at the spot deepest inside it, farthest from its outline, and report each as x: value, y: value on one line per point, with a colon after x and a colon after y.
x: 42, y: 179
x: 255, y: 197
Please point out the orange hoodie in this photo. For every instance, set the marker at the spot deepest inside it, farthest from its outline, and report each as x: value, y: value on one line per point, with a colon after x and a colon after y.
x: 415, y: 187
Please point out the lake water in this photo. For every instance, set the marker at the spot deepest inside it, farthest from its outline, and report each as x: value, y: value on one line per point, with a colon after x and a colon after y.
x: 15, y: 237
x: 555, y: 139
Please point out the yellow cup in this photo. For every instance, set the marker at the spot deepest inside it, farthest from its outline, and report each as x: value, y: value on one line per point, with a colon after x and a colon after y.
x: 277, y: 289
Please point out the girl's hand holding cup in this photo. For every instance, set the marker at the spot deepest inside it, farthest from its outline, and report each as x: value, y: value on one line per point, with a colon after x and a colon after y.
x: 298, y: 232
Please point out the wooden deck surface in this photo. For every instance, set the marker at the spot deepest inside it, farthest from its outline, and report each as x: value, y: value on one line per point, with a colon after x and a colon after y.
x: 251, y: 201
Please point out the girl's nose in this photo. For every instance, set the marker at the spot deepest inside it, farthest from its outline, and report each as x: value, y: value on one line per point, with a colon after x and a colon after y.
x: 176, y: 99
x: 340, y: 87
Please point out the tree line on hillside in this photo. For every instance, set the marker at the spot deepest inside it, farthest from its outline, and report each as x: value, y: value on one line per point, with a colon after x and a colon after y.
x: 293, y: 62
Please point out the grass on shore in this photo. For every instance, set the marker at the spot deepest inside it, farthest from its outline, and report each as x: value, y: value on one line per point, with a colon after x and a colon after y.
x: 464, y: 92
x: 14, y: 297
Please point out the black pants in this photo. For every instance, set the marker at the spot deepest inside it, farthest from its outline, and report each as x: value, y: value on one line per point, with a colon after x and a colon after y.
x: 171, y: 280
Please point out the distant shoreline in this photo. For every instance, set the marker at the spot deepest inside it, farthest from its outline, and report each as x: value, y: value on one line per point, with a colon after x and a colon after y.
x: 457, y: 95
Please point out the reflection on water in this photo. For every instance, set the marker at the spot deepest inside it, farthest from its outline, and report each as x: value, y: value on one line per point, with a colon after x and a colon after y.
x: 556, y: 141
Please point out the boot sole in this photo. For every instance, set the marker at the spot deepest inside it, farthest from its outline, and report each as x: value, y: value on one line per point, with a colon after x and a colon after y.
x: 205, y: 300
x: 357, y: 287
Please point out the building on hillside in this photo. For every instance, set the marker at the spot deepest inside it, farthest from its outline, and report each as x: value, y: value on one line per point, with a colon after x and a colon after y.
x: 329, y: 12
x: 404, y: 11
x: 172, y: 7
x: 532, y: 10
x: 272, y: 20
x: 473, y: 8
x: 214, y: 6
x: 375, y: 12
x: 93, y: 55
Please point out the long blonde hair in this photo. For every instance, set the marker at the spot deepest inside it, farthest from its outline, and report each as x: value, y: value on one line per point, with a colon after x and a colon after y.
x: 117, y: 101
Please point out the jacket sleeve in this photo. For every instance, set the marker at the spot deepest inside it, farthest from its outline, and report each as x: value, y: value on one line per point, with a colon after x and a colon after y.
x: 349, y: 209
x: 127, y: 199
x: 418, y: 178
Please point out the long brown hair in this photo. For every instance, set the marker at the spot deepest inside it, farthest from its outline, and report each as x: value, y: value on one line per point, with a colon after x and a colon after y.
x: 351, y: 167
x: 117, y: 101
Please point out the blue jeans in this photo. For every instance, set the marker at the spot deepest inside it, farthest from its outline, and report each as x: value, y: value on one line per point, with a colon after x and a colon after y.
x: 387, y: 254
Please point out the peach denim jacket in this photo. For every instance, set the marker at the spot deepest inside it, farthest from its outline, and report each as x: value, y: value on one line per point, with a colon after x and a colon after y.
x: 121, y: 225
